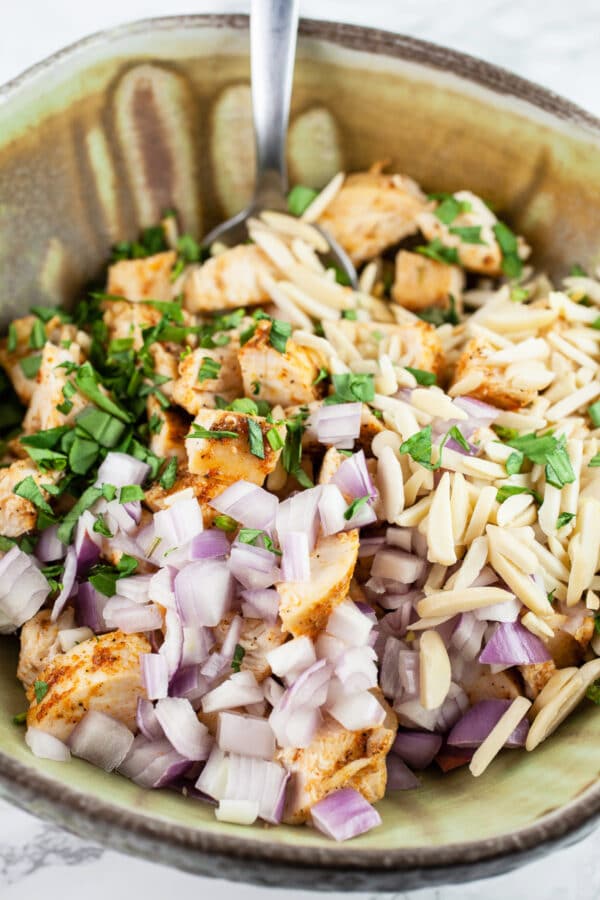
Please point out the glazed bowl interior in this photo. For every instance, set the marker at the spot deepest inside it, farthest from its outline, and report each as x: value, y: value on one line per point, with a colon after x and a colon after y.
x: 97, y: 143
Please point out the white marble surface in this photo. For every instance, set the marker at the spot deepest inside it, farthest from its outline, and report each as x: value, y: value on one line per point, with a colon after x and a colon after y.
x: 554, y: 43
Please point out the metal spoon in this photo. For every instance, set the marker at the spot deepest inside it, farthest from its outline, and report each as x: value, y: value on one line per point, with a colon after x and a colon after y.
x: 273, y: 31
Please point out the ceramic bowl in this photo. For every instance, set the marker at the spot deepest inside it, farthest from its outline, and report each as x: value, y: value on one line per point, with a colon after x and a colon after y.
x: 101, y: 138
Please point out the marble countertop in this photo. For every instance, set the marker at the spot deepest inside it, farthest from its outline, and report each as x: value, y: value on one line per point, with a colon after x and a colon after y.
x: 554, y: 43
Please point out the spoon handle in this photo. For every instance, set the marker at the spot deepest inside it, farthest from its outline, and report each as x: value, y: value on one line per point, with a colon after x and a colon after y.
x: 273, y: 30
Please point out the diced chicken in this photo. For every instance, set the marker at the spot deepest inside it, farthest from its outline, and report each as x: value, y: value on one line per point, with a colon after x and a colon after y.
x: 279, y: 378
x: 257, y: 639
x: 17, y: 515
x: 48, y: 393
x: 102, y: 673
x: 331, y: 463
x: 480, y: 684
x: 230, y: 458
x: 306, y: 606
x: 536, y: 677
x: 168, y: 430
x: 568, y: 649
x: 166, y: 365
x: 336, y: 759
x: 488, y: 382
x: 127, y: 320
x: 415, y: 344
x: 230, y: 280
x: 204, y: 489
x: 481, y: 255
x: 421, y: 282
x: 194, y: 394
x: 372, y: 212
x: 143, y: 279
x: 39, y: 643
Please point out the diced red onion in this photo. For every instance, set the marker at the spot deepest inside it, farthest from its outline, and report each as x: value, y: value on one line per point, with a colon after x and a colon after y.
x: 348, y: 623
x: 290, y: 659
x: 339, y: 424
x: 482, y: 413
x: 417, y: 748
x: 213, y: 778
x: 399, y: 537
x: 363, y: 516
x: 419, y: 544
x: 389, y: 675
x: 468, y: 635
x: 329, y: 647
x: 295, y: 562
x: 178, y: 524
x: 50, y: 548
x: 344, y: 814
x: 408, y: 668
x: 300, y: 512
x: 101, y: 740
x: 189, y: 682
x: 332, y: 507
x: 215, y: 666
x: 240, y: 689
x: 197, y: 644
x: 356, y: 669
x: 249, y: 504
x: 23, y: 589
x: 486, y: 577
x: 261, y: 604
x: 309, y: 688
x: 135, y: 588
x: 153, y: 764
x: 155, y: 675
x: 473, y: 728
x: 232, y: 638
x: 89, y: 608
x: 118, y: 518
x: 513, y: 645
x: 399, y: 776
x: 172, y: 647
x: 253, y: 567
x: 210, y: 544
x: 257, y: 780
x: 46, y: 746
x: 131, y: 618
x: 203, y: 592
x: 121, y: 469
x: 68, y: 583
x: 180, y: 724
x: 295, y: 729
x: 397, y: 565
x: 508, y: 611
x: 134, y: 510
x: 246, y: 735
x: 369, y: 546
x: 272, y: 690
x: 353, y: 477
x: 161, y: 589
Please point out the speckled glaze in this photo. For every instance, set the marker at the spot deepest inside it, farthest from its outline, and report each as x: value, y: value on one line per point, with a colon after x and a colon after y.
x: 107, y: 134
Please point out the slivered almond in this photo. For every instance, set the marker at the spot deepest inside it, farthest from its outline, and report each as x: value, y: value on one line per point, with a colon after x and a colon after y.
x: 592, y: 601
x: 460, y: 507
x: 512, y: 508
x: 584, y: 549
x: 450, y: 603
x: 435, y: 673
x: 550, y: 509
x: 523, y: 585
x: 316, y: 209
x: 426, y: 624
x: 435, y: 579
x: 562, y: 704
x: 551, y: 689
x: 504, y: 541
x: 437, y: 404
x: 472, y: 565
x: 390, y: 483
x: 440, y: 541
x: 498, y: 736
x: 413, y: 516
x: 291, y: 226
x: 536, y: 625
x: 573, y: 401
x: 482, y: 511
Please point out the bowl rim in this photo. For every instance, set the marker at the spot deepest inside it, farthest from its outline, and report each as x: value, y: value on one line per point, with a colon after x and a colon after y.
x: 260, y: 862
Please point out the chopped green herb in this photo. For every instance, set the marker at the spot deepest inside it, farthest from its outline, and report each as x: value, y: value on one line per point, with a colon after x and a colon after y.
x: 20, y: 718
x: 198, y: 431
x: 209, y: 369
x: 456, y: 434
x: 87, y: 499
x: 349, y: 314
x: 30, y: 365
x: 577, y: 271
x: 514, y: 463
x: 238, y: 658
x: 323, y: 374
x: 251, y: 535
x: 349, y: 388
x: 450, y: 208
x: 422, y: 376
x: 28, y: 489
x: 47, y: 460
x: 255, y: 439
x: 354, y: 507
x: 419, y: 447
x: 439, y: 252
x: 225, y: 523
x: 37, y: 335
x: 519, y: 294
x: 189, y: 249
x: 564, y: 519
x: 505, y: 434
x: 548, y: 451
x: 299, y: 199
x: 40, y: 689
x: 275, y: 440
x: 130, y: 493
x: 155, y: 423
x: 436, y: 315
x: 169, y: 475
x: 12, y: 341
x: 470, y: 234
x: 87, y: 382
x: 279, y: 334
x: 509, y: 490
x: 593, y: 693
x: 594, y: 461
x: 246, y: 334
x: 82, y: 455
x: 100, y: 526
x: 594, y: 413
x: 243, y: 405
x: 550, y: 596
x: 507, y: 241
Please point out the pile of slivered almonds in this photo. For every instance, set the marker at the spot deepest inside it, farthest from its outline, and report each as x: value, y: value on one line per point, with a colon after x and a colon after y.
x: 330, y: 536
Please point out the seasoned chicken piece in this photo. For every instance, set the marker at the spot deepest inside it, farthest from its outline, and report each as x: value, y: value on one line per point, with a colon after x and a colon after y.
x: 257, y: 639
x: 480, y: 684
x: 336, y: 759
x: 18, y: 515
x: 415, y: 344
x: 103, y: 673
x: 228, y: 281
x: 479, y: 250
x: 242, y: 450
x: 165, y: 364
x: 39, y: 643
x: 331, y: 463
x: 536, y: 676
x: 168, y: 428
x: 479, y: 376
x: 143, y: 279
x: 421, y: 282
x: 372, y: 212
x: 194, y: 388
x: 203, y: 488
x: 48, y: 393
x: 306, y: 606
x: 568, y: 649
x: 279, y: 378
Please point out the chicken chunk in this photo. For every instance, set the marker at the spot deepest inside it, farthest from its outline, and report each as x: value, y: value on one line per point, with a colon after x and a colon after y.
x: 236, y: 454
x: 143, y: 279
x: 568, y: 649
x: 421, y: 282
x: 480, y: 684
x: 306, y: 606
x: 17, y: 515
x: 168, y: 430
x: 415, y: 344
x: 204, y: 489
x: 43, y: 412
x: 481, y: 251
x: 330, y: 464
x: 194, y: 388
x: 165, y: 364
x: 336, y: 759
x: 286, y: 378
x: 228, y: 281
x: 536, y: 677
x: 257, y: 639
x: 39, y: 643
x: 477, y: 375
x: 372, y: 212
x: 102, y: 673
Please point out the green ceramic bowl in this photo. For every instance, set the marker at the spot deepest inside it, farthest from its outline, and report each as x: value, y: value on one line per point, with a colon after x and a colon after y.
x: 101, y: 138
